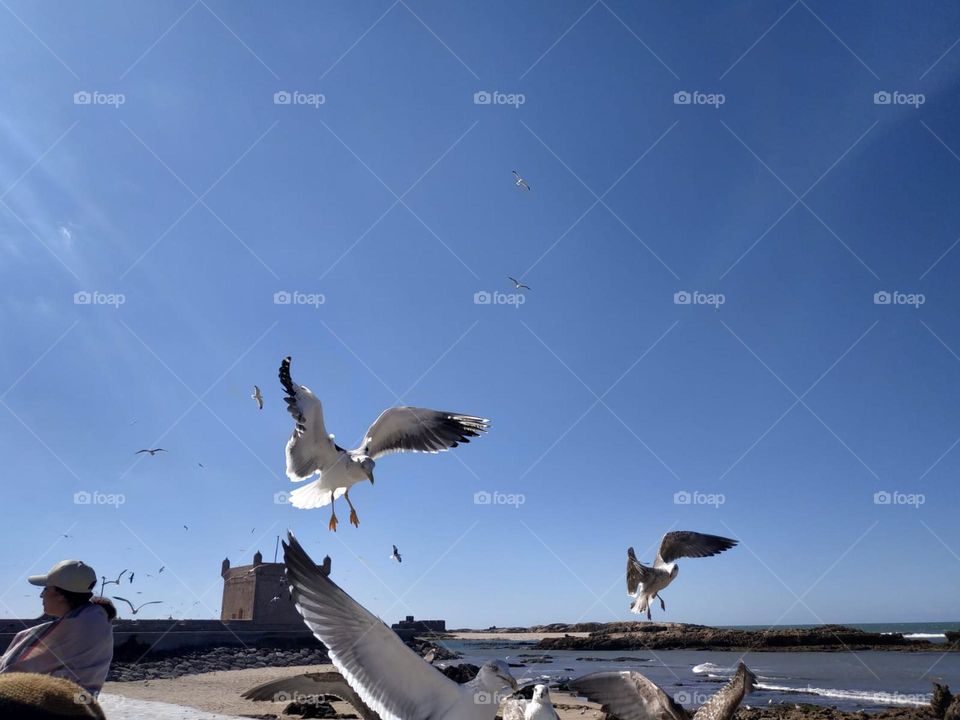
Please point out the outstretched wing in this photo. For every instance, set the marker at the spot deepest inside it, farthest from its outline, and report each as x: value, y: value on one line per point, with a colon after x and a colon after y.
x: 724, y: 703
x: 390, y: 678
x: 628, y: 696
x: 411, y: 429
x: 309, y: 449
x: 684, y: 543
x: 636, y: 572
x: 117, y: 597
x: 311, y: 684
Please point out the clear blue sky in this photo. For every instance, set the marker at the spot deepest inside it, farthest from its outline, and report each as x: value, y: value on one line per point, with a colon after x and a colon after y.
x: 198, y: 198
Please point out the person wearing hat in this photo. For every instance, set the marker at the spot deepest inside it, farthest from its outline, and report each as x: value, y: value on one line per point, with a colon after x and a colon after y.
x: 78, y: 643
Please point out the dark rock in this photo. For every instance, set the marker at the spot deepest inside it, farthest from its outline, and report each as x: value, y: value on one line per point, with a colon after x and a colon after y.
x: 953, y: 712
x: 941, y: 699
x: 460, y: 673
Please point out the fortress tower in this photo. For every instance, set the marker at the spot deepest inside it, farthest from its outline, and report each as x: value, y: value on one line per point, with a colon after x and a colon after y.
x: 258, y: 593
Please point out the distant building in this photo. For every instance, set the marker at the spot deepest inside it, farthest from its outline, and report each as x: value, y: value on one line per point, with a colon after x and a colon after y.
x: 428, y: 626
x: 258, y: 593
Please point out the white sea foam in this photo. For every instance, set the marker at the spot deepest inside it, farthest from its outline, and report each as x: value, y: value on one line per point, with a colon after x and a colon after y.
x: 118, y: 707
x: 862, y: 697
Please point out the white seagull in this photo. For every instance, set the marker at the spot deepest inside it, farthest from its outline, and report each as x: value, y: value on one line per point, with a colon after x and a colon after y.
x: 521, y: 183
x: 311, y: 450
x: 395, y: 555
x: 258, y: 396
x: 538, y: 708
x: 630, y: 696
x: 644, y: 583
x: 388, y: 676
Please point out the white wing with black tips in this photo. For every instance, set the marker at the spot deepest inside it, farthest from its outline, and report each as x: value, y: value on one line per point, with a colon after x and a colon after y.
x: 411, y: 429
x: 309, y: 449
x: 628, y: 696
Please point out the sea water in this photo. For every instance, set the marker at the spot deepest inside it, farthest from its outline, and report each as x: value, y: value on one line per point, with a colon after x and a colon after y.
x: 866, y: 680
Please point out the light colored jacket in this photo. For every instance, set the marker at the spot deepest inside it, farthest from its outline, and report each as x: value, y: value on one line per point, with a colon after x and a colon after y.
x: 77, y: 646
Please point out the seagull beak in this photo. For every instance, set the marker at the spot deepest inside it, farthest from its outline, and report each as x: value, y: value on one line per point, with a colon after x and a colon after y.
x: 369, y: 474
x: 512, y: 682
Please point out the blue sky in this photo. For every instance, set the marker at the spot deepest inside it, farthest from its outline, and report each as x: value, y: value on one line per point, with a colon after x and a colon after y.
x: 182, y: 198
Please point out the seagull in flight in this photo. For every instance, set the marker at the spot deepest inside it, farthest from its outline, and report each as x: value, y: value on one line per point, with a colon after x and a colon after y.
x: 311, y: 450
x: 388, y: 676
x: 644, y: 583
x: 521, y: 183
x: 517, y: 284
x: 538, y: 708
x: 137, y: 609
x: 257, y: 396
x: 152, y: 452
x: 631, y: 696
x: 396, y: 555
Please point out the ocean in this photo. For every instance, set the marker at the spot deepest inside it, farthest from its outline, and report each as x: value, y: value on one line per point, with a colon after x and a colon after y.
x: 868, y: 680
x: 934, y: 632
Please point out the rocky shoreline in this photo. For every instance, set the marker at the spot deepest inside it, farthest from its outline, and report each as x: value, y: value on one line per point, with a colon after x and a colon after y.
x: 678, y: 636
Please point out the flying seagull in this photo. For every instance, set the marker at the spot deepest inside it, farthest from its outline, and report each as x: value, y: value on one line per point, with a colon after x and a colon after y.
x: 631, y: 696
x: 311, y: 685
x: 103, y: 578
x: 311, y: 450
x: 538, y: 708
x: 257, y: 396
x: 396, y: 555
x: 388, y: 676
x: 152, y: 452
x: 644, y: 583
x: 521, y: 183
x: 517, y: 284
x: 137, y: 609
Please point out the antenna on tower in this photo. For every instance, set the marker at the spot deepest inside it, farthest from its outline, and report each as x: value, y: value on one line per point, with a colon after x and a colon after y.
x: 276, y: 549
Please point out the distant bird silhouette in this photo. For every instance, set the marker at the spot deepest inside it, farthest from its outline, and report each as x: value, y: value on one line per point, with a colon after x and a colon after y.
x: 131, y: 576
x: 137, y: 609
x: 185, y: 527
x: 258, y: 396
x: 152, y: 452
x: 396, y: 555
x: 521, y: 183
x: 517, y: 284
x: 113, y: 582
x: 161, y: 569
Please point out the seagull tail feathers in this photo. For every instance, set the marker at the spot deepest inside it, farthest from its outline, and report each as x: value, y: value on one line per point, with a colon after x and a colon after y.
x: 313, y: 496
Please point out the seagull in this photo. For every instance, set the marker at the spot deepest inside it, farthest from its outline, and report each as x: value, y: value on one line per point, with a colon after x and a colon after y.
x: 106, y: 582
x: 517, y: 284
x: 521, y: 183
x: 631, y: 696
x: 644, y: 583
x: 310, y: 686
x: 137, y: 609
x: 152, y: 452
x: 396, y: 555
x: 388, y: 676
x: 311, y: 450
x: 161, y: 569
x: 538, y: 708
x: 185, y: 527
x: 131, y: 576
x: 257, y: 396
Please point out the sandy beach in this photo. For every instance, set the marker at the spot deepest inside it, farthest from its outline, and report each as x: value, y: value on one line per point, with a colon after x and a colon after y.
x: 219, y: 692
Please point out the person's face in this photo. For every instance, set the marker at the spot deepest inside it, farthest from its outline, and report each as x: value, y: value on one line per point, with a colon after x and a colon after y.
x: 53, y: 602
